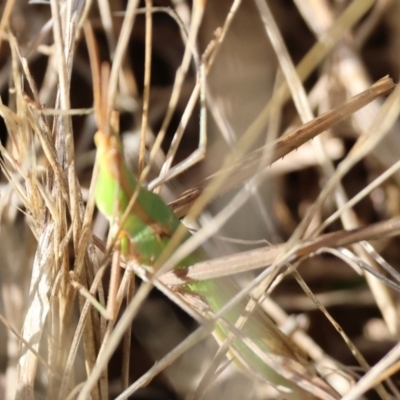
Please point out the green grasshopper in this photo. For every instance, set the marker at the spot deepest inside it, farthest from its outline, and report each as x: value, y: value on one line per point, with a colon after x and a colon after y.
x: 144, y: 233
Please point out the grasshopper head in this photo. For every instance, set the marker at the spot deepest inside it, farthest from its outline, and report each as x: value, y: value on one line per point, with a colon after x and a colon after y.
x: 109, y: 153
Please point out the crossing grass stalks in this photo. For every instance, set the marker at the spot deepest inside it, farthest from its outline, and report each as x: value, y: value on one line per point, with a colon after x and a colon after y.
x: 314, y: 236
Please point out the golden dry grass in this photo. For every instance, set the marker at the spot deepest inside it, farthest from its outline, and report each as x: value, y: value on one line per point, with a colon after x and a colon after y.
x: 320, y: 225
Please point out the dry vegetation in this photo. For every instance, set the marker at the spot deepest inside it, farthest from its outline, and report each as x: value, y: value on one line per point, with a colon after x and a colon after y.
x: 321, y: 224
